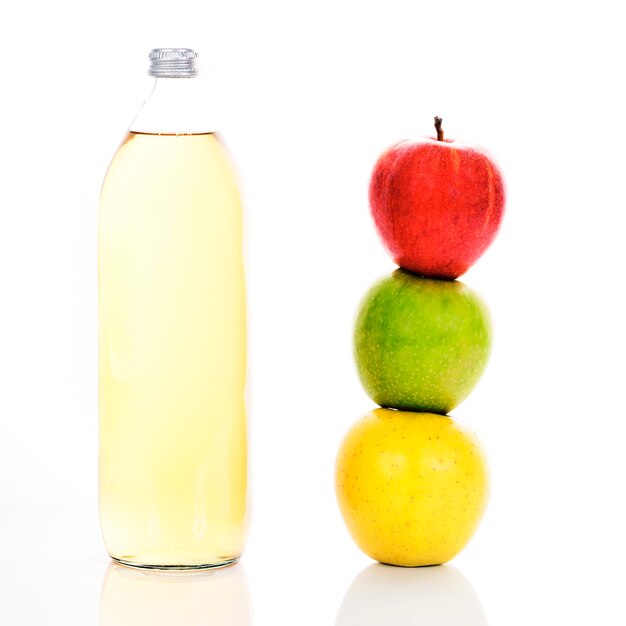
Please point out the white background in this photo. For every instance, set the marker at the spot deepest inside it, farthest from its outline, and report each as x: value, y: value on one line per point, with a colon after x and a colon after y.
x: 313, y: 92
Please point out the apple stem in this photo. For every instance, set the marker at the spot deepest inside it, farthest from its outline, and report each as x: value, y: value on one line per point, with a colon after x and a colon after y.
x: 438, y: 128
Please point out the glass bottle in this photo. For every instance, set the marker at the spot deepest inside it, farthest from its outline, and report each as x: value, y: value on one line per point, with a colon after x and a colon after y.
x: 172, y: 336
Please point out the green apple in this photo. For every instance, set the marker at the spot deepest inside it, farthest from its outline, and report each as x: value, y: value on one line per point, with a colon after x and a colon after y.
x: 421, y: 344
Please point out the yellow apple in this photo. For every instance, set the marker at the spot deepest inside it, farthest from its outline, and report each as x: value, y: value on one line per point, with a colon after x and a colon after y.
x: 412, y: 487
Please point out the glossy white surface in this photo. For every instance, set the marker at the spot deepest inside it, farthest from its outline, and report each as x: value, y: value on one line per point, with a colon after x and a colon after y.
x: 312, y: 93
x: 403, y: 597
x: 94, y: 592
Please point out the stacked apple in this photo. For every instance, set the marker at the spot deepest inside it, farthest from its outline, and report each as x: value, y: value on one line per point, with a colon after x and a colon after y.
x: 412, y: 482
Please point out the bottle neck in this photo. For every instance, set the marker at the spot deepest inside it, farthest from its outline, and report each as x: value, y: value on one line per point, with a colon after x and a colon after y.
x: 176, y: 106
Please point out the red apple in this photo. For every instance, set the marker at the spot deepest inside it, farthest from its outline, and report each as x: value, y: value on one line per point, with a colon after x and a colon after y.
x: 437, y: 204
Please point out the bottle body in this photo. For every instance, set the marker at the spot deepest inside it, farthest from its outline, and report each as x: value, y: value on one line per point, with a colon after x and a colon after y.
x: 172, y: 370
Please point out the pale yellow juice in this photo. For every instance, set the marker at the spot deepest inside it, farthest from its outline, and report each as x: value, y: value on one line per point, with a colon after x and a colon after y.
x: 173, y: 436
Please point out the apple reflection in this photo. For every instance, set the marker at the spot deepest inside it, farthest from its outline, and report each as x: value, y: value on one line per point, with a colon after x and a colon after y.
x: 425, y: 596
x: 209, y: 598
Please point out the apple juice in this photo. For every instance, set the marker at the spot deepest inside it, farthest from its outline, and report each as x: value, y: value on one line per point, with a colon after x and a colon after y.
x: 172, y: 361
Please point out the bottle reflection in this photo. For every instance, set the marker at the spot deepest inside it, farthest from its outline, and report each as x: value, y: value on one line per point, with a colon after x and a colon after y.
x: 210, y: 598
x: 425, y: 596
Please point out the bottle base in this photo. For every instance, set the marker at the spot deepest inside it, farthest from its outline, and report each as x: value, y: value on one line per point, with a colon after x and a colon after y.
x: 176, y: 567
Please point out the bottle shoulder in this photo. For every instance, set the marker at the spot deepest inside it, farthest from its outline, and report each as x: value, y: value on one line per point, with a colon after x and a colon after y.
x: 177, y: 106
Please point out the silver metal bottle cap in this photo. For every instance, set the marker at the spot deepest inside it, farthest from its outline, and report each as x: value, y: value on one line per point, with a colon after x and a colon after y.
x: 173, y: 63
